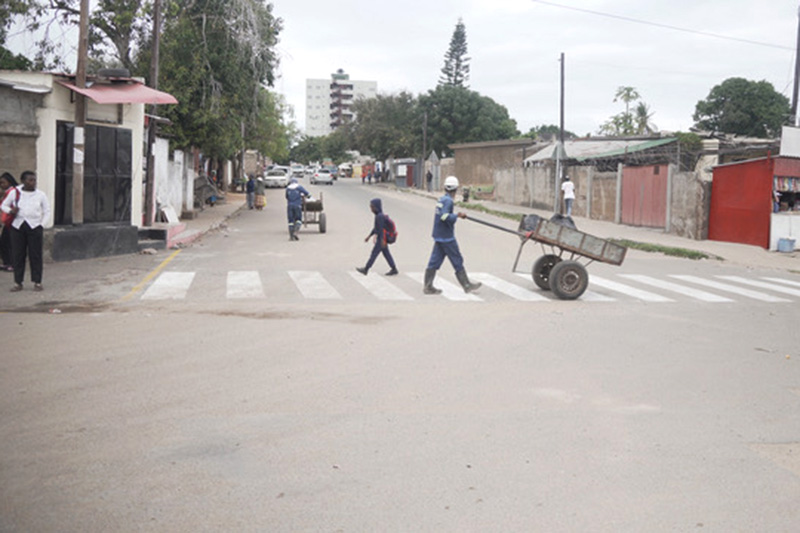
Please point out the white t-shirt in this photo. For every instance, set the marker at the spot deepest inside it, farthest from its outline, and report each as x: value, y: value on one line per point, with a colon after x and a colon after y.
x: 33, y: 207
x: 569, y: 190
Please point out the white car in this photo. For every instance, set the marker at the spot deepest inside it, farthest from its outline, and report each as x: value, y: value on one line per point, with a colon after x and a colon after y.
x: 322, y: 175
x: 277, y: 177
x: 297, y: 171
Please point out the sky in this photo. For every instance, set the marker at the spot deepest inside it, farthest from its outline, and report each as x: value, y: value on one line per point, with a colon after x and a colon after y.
x: 514, y: 48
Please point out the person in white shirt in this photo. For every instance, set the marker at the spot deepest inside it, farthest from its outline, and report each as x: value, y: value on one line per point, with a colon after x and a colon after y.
x: 568, y: 190
x: 31, y: 210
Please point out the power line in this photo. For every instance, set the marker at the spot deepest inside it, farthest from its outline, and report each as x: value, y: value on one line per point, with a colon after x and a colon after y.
x: 659, y: 25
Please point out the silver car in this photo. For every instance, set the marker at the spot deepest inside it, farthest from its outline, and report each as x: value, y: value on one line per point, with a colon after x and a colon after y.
x: 277, y: 177
x: 322, y: 175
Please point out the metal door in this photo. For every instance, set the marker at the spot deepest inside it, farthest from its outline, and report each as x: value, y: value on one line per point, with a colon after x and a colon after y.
x: 644, y: 196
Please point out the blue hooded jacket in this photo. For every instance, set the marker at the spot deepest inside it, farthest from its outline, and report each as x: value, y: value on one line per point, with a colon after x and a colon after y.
x: 380, y: 218
x: 444, y: 221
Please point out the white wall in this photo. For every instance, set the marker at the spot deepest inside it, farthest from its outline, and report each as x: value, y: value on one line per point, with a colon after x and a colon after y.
x: 784, y: 226
x: 57, y: 106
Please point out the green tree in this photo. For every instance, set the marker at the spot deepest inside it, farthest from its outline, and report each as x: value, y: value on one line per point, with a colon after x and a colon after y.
x: 743, y: 107
x: 120, y: 25
x: 455, y: 71
x: 548, y: 131
x: 386, y: 126
x: 458, y: 115
x: 216, y: 57
x: 308, y: 149
x: 628, y: 122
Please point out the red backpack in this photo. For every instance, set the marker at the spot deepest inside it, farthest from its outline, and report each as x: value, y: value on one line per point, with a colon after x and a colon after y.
x: 389, y: 230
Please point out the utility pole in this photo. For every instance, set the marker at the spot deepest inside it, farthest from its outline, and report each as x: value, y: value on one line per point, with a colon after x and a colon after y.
x: 78, y: 137
x: 149, y: 200
x: 422, y: 178
x: 795, y: 118
x: 560, y: 147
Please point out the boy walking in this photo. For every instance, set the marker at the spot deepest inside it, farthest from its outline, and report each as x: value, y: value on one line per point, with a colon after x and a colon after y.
x: 381, y: 245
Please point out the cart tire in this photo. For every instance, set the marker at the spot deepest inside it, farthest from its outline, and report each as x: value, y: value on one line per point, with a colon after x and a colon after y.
x: 568, y: 280
x: 322, y: 226
x: 541, y: 270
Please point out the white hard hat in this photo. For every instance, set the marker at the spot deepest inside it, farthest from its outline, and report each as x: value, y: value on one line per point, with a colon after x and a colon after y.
x: 450, y: 183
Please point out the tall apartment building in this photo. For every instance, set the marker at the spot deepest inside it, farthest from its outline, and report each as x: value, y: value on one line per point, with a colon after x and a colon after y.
x: 329, y: 102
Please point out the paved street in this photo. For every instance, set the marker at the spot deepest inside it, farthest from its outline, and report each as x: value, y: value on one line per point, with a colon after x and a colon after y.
x: 250, y: 383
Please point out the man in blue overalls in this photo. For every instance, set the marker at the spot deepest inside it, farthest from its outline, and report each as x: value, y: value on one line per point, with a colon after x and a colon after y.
x: 294, y: 207
x: 444, y: 241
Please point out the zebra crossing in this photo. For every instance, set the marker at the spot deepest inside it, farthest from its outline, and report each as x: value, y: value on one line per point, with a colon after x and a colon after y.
x: 333, y: 286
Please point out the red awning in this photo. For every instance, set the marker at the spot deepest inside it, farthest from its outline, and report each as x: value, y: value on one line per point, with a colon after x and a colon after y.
x: 122, y: 93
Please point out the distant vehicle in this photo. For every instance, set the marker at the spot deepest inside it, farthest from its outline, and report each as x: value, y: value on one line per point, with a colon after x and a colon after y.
x: 297, y: 171
x: 346, y: 170
x: 309, y: 171
x: 322, y: 175
x: 277, y: 177
x: 334, y: 170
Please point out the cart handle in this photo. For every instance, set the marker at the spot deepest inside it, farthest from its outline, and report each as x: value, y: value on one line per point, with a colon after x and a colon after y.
x: 527, y: 235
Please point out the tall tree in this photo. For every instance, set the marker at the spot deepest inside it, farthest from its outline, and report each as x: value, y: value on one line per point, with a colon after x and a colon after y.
x: 455, y: 71
x: 548, y: 131
x: 457, y: 115
x: 629, y: 122
x: 743, y: 107
x: 387, y: 125
x: 216, y: 57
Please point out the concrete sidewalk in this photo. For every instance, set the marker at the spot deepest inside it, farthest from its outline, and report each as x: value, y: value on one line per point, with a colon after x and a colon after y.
x: 210, y: 218
x: 740, y: 254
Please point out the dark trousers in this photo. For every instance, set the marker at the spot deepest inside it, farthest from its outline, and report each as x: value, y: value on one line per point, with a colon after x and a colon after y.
x: 377, y: 249
x: 5, y: 247
x: 27, y: 242
x: 447, y: 249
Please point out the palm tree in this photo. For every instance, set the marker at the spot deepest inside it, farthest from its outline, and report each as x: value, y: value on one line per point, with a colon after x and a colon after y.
x: 642, y: 118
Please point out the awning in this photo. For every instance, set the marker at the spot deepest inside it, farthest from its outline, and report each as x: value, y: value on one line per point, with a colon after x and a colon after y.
x: 25, y: 87
x: 122, y: 93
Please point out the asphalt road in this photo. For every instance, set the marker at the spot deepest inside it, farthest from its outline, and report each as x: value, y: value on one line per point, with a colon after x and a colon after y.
x: 234, y: 402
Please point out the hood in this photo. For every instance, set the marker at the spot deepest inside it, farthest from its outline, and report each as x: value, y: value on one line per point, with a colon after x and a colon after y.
x: 293, y: 185
x: 376, y: 204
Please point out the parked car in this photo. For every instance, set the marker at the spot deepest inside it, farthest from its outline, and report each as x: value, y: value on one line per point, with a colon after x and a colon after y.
x: 277, y: 177
x: 322, y: 175
x: 334, y: 170
x: 297, y: 171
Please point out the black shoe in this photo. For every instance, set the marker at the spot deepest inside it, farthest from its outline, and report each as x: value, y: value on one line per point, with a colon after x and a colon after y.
x: 361, y: 270
x: 392, y: 272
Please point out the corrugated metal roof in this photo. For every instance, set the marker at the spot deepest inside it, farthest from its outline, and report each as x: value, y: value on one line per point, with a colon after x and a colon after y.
x: 600, y: 149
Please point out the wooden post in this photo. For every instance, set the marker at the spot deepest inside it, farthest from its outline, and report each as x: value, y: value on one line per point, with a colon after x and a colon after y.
x: 78, y: 134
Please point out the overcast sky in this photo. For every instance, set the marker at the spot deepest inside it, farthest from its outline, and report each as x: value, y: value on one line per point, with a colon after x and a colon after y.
x: 514, y: 46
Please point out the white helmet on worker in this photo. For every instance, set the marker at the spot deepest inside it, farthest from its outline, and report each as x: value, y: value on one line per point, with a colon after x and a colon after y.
x: 450, y: 183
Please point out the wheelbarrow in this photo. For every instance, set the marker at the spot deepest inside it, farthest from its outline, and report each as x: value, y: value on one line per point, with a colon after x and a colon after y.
x: 566, y: 254
x: 312, y: 213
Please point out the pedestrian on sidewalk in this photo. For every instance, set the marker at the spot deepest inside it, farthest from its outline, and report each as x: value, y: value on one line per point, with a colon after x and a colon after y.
x: 429, y: 179
x: 568, y: 190
x: 379, y: 233
x: 250, y: 189
x: 444, y: 241
x: 31, y: 210
x: 7, y: 185
x: 294, y: 207
x: 261, y: 193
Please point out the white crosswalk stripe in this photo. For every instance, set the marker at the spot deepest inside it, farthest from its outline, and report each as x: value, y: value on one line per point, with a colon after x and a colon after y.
x: 762, y: 285
x: 169, y: 286
x: 380, y: 287
x: 244, y: 284
x: 313, y: 286
x: 674, y: 287
x: 316, y: 285
x: 450, y: 291
x: 756, y: 295
x: 639, y: 294
x: 509, y: 289
x: 784, y: 281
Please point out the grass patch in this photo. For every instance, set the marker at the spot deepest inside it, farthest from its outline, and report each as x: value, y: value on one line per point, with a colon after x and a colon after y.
x: 483, y: 209
x: 666, y: 250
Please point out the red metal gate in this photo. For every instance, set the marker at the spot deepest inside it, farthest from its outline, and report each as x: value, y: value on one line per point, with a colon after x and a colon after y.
x: 644, y: 196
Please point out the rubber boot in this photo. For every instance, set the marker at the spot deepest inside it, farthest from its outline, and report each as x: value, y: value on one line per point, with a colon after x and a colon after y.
x: 466, y: 284
x: 297, y: 227
x: 429, y: 288
x: 291, y: 233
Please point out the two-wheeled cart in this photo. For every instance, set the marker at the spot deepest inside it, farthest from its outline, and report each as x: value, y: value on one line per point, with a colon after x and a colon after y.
x: 312, y: 213
x: 562, y: 267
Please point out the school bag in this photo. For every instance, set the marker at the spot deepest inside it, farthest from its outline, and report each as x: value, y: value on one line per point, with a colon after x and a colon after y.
x: 389, y: 230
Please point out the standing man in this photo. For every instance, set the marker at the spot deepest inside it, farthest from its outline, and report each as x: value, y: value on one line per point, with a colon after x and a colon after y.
x: 429, y: 179
x: 379, y: 230
x: 31, y: 210
x: 568, y: 190
x: 251, y: 192
x: 294, y: 207
x: 444, y: 241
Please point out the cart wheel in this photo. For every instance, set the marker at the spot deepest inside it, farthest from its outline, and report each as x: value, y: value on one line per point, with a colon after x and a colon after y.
x: 569, y: 280
x: 542, y: 268
x: 322, y: 226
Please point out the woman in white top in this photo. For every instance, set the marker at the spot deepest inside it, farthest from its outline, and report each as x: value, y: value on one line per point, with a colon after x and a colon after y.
x: 27, y: 230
